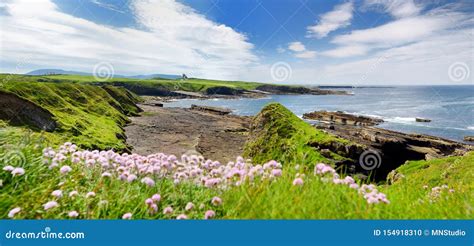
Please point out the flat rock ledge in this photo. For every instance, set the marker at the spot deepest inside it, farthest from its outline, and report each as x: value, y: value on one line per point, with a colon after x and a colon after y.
x: 342, y: 118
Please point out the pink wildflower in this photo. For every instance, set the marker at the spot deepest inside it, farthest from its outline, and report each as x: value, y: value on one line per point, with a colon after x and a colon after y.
x: 156, y: 197
x: 148, y: 181
x: 65, y: 169
x: 153, y: 208
x: 298, y: 182
x: 189, y: 206
x: 13, y: 212
x: 90, y: 194
x: 209, y: 214
x: 216, y: 201
x: 276, y: 172
x: 131, y: 178
x: 106, y: 175
x: 73, y: 193
x: 73, y: 214
x: 127, y: 216
x: 8, y: 168
x: 354, y: 186
x: 50, y: 205
x: 18, y: 171
x: 182, y: 217
x: 149, y: 201
x: 168, y: 210
x: 57, y: 193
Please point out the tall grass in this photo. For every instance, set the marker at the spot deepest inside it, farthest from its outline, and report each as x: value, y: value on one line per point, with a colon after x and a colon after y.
x: 277, y: 199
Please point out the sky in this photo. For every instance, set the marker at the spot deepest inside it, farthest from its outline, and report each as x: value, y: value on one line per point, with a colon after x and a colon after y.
x: 366, y: 42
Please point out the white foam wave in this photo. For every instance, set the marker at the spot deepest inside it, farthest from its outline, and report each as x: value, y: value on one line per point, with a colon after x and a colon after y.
x: 402, y: 120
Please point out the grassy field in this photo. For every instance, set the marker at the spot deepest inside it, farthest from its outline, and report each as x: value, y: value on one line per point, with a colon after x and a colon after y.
x: 191, y: 85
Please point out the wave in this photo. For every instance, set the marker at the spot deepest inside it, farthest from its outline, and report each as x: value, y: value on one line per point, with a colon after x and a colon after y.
x: 470, y: 128
x: 402, y: 120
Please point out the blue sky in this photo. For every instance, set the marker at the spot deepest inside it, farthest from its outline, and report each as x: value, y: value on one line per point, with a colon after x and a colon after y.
x: 376, y: 42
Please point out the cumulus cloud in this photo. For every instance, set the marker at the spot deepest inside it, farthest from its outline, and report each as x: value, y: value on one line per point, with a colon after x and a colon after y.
x: 296, y: 47
x: 339, y: 17
x: 300, y: 51
x: 174, y: 38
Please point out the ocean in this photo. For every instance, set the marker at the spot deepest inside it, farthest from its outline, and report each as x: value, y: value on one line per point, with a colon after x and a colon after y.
x: 450, y: 108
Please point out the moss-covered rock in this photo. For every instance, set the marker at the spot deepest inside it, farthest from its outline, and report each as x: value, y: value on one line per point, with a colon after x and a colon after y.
x: 278, y: 134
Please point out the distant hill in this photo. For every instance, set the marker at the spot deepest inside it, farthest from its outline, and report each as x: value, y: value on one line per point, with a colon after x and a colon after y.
x: 60, y: 71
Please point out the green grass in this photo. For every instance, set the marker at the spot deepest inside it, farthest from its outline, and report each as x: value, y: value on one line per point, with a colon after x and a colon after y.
x: 113, y: 199
x: 88, y: 115
x: 191, y: 85
x: 267, y: 200
x: 320, y: 200
x: 278, y: 134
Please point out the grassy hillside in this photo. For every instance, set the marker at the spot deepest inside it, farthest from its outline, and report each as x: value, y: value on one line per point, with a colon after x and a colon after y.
x: 191, y: 85
x: 278, y: 134
x: 89, y: 115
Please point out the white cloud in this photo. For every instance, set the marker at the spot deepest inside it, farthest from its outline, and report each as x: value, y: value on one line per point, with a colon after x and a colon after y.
x: 397, y: 8
x: 399, y: 32
x: 300, y: 51
x: 423, y: 62
x: 308, y: 54
x: 296, y: 47
x: 339, y: 17
x: 346, y: 51
x: 176, y: 39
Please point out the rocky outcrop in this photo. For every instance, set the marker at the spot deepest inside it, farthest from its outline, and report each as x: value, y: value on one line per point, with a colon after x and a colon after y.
x: 391, y: 149
x: 283, y: 89
x: 22, y: 112
x: 422, y: 120
x: 222, y: 90
x: 342, y: 118
x: 213, y: 110
x: 152, y: 90
x: 469, y: 138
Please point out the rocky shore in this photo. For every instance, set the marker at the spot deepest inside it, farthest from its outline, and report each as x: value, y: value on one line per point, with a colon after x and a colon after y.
x: 391, y: 148
x: 217, y: 134
x: 179, y: 131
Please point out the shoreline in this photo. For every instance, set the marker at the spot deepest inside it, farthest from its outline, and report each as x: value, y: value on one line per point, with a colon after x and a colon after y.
x: 400, y: 123
x: 216, y: 133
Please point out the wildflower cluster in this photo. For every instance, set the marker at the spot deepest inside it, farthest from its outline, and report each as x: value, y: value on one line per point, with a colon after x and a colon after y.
x: 131, y: 167
x: 437, y: 191
x: 15, y: 171
x: 370, y: 192
x: 69, y: 162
